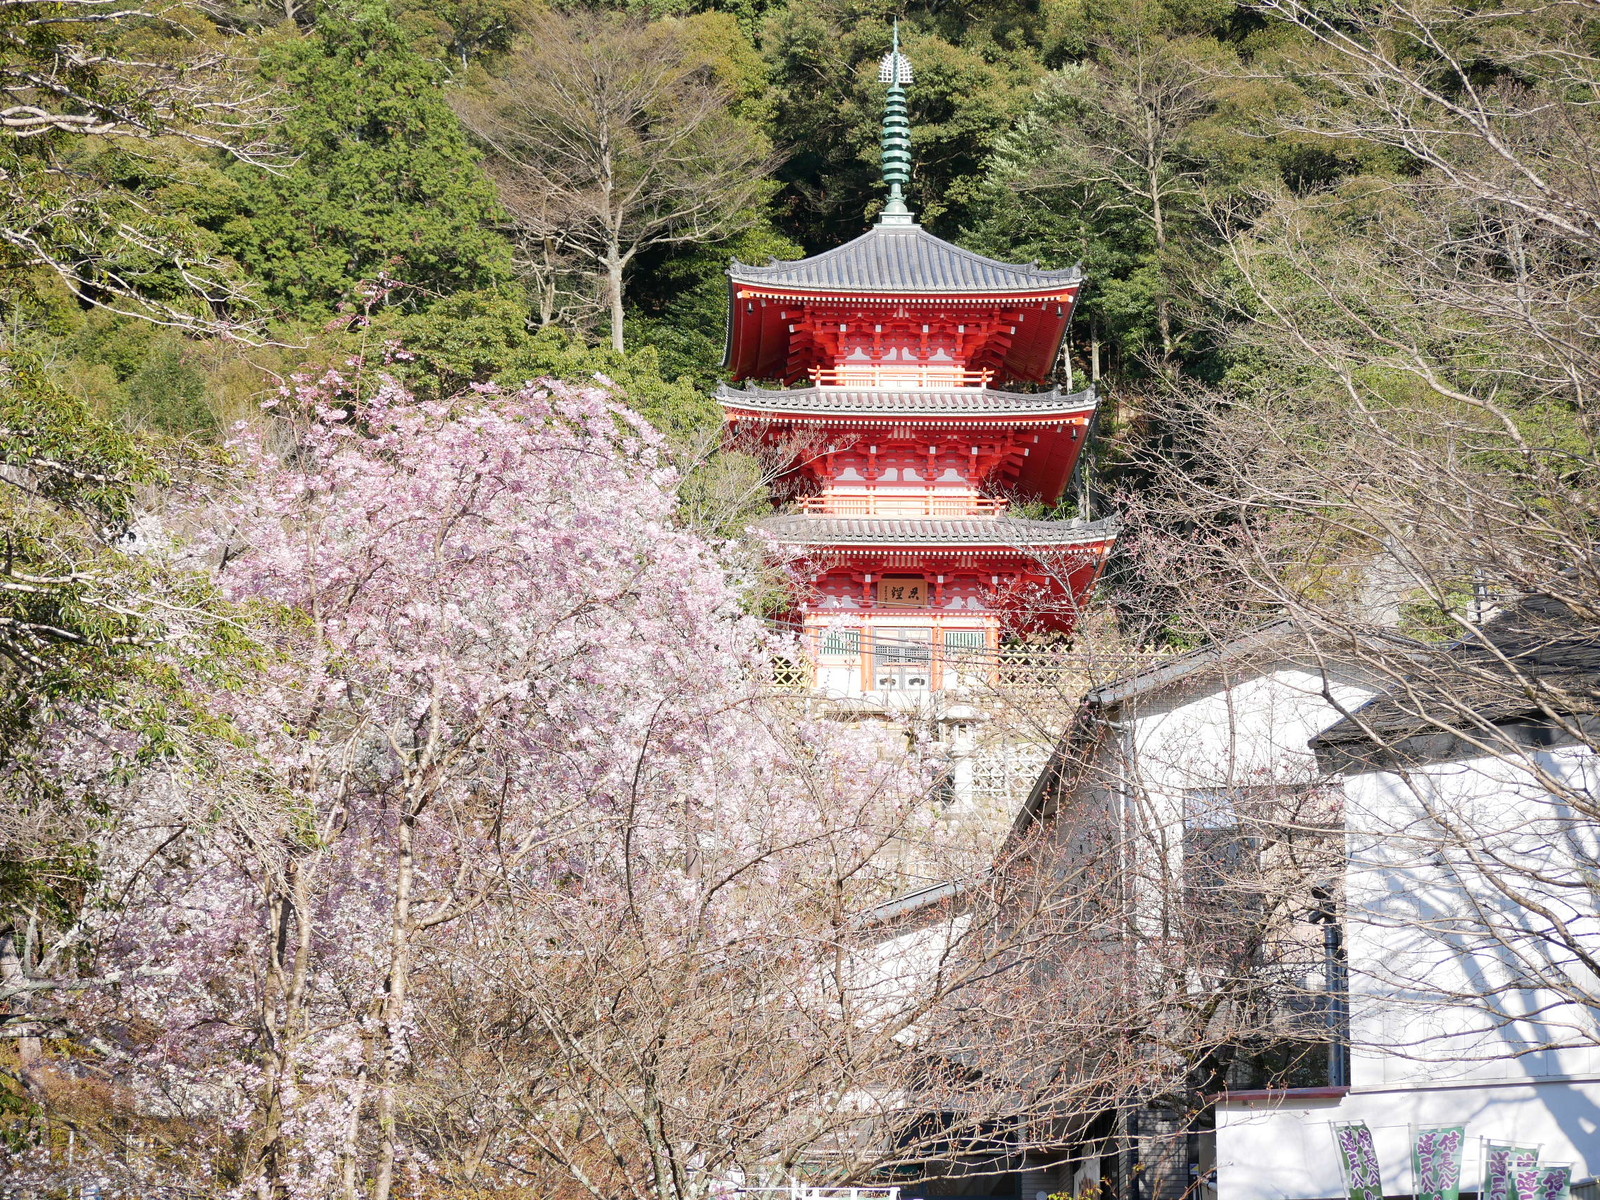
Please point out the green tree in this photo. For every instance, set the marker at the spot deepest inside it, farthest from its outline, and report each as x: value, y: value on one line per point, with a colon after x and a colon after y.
x: 385, y: 185
x: 460, y: 31
x: 102, y: 109
x: 681, y: 301
x: 828, y: 108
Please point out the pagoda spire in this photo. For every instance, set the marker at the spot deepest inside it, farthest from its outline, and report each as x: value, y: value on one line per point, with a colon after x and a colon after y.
x: 895, y: 70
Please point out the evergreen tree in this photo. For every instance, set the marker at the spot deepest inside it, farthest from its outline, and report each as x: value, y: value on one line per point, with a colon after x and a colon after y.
x: 385, y: 185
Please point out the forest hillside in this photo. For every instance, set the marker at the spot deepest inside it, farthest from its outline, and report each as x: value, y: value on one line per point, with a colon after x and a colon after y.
x: 392, y: 795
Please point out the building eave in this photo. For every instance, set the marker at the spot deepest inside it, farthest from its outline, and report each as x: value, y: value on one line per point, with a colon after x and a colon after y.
x: 993, y: 536
x: 1062, y: 292
x: 945, y: 406
x: 901, y: 260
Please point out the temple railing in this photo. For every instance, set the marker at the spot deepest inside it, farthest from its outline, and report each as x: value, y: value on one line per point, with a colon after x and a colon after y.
x: 872, y: 505
x: 907, y: 375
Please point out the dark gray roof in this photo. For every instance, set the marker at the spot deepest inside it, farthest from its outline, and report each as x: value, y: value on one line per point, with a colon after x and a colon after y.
x: 934, y: 531
x: 903, y: 258
x: 908, y: 402
x: 914, y: 901
x: 1536, y: 658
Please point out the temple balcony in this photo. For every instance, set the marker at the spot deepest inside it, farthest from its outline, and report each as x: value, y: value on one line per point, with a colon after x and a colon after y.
x: 899, y: 375
x: 931, y: 504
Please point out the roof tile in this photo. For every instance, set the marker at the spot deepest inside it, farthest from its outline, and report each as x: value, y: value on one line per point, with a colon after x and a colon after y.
x: 807, y: 530
x: 903, y: 258
x: 941, y: 402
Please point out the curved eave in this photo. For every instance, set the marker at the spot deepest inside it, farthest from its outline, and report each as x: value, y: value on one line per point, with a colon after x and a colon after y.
x: 757, y: 345
x: 864, y: 419
x: 902, y: 257
x: 753, y: 290
x: 786, y: 531
x: 874, y: 406
x: 992, y: 550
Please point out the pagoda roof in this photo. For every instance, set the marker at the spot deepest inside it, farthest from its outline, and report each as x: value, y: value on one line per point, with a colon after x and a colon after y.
x: 903, y: 258
x: 899, y: 403
x: 1004, y: 533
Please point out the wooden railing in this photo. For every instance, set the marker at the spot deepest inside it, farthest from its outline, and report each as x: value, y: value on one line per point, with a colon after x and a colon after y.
x: 909, y: 375
x: 903, y: 506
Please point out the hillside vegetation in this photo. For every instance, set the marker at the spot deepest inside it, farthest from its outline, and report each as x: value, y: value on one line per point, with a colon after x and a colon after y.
x: 390, y: 792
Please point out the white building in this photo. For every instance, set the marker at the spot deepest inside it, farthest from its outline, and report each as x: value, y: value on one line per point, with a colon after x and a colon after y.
x: 1171, y: 772
x: 1470, y: 910
x: 1429, y: 943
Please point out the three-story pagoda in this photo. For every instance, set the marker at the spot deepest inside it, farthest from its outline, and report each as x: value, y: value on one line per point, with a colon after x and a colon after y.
x: 902, y: 362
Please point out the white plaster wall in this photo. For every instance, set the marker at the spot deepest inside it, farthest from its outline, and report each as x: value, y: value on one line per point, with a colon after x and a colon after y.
x: 1277, y: 1151
x: 1457, y: 873
x: 1256, y: 730
x: 1425, y: 1050
x: 1248, y: 731
x: 893, y: 977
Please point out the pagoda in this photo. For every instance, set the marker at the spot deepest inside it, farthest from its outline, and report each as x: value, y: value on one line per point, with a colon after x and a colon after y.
x: 909, y: 408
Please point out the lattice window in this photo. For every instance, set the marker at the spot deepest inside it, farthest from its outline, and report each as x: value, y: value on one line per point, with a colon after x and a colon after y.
x: 1006, y: 772
x: 990, y: 778
x: 841, y: 643
x: 787, y: 673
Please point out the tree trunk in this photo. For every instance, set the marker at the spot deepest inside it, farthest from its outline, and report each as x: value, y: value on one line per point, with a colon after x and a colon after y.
x: 1163, y: 304
x: 14, y: 971
x: 283, y: 1011
x: 614, y: 265
x: 392, y: 1022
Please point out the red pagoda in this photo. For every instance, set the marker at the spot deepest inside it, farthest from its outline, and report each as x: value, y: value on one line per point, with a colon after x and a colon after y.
x: 902, y: 362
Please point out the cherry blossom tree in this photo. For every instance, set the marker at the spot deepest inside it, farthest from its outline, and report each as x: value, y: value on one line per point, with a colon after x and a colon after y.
x: 497, y: 693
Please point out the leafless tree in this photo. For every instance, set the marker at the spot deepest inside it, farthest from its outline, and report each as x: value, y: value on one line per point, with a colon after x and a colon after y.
x: 956, y: 1030
x: 612, y: 135
x: 1127, y: 129
x: 1410, y: 475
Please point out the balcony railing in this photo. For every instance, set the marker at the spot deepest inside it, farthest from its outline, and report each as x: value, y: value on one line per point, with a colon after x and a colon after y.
x: 904, y: 375
x: 903, y: 506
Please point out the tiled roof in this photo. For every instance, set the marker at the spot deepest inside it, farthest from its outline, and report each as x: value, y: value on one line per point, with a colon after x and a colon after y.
x: 806, y: 530
x: 1535, y: 658
x: 903, y: 258
x: 908, y: 402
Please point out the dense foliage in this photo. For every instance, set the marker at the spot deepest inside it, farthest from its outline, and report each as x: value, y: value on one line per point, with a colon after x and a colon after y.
x: 370, y: 624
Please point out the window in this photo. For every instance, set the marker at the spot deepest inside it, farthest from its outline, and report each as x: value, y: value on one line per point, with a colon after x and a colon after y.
x: 964, y: 641
x: 1261, y: 867
x: 902, y: 659
x: 841, y: 643
x: 1221, y: 853
x: 786, y: 673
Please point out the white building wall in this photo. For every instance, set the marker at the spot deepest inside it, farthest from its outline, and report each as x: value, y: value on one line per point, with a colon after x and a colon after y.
x: 1250, y: 731
x: 1445, y: 951
x: 1459, y: 875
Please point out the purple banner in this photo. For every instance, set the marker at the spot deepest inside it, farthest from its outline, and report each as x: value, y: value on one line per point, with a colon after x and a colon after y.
x: 1553, y: 1183
x: 1362, y: 1179
x: 1436, y: 1162
x: 1509, y: 1172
